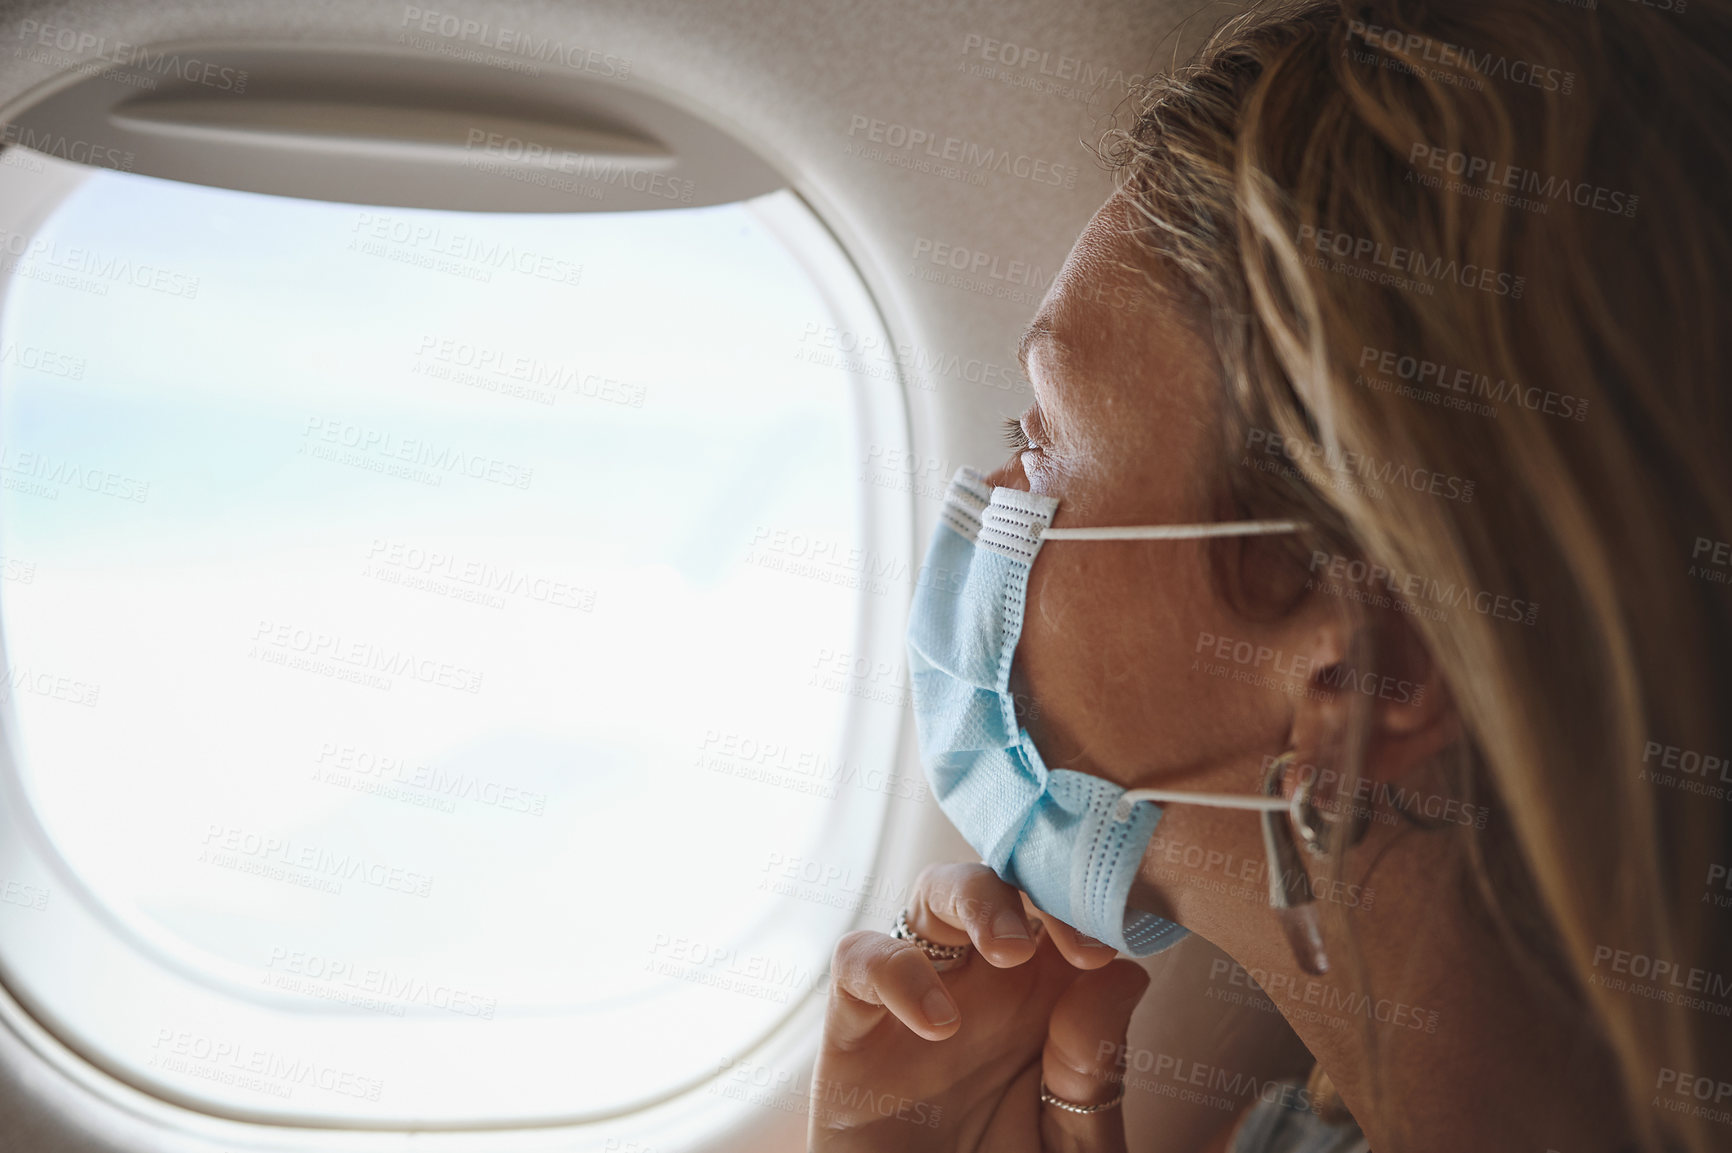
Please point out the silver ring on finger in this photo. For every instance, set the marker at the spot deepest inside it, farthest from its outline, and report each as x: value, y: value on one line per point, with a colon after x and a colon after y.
x: 1048, y: 1097
x: 942, y: 956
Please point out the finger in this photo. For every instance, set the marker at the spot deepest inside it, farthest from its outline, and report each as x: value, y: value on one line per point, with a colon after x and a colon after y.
x: 1082, y: 951
x: 870, y: 974
x: 954, y: 904
x: 1084, y: 1041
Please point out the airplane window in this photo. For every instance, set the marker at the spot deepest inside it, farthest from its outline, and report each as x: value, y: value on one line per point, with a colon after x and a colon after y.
x: 414, y: 623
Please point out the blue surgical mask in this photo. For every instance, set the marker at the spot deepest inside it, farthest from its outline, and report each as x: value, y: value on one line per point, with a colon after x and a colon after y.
x: 1053, y: 833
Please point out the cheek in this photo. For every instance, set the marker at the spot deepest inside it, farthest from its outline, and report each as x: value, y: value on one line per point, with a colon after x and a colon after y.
x: 1106, y: 657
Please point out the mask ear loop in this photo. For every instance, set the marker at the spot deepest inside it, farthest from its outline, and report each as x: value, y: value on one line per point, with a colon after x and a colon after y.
x: 1297, y: 915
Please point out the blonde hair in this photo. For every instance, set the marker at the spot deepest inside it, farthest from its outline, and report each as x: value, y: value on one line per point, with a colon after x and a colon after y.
x: 1317, y: 183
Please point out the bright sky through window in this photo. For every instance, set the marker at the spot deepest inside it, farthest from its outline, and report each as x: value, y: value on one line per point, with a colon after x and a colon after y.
x: 441, y: 596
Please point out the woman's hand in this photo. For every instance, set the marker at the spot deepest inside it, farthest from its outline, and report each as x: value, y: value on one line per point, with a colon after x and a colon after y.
x: 914, y: 1059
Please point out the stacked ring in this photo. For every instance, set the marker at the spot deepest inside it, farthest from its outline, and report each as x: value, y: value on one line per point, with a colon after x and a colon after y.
x: 932, y: 949
x: 1048, y: 1097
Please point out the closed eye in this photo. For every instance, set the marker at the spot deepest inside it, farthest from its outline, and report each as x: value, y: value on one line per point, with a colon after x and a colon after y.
x: 1014, y: 435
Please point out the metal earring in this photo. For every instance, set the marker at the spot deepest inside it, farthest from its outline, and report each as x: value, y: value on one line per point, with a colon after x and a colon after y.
x: 1297, y: 915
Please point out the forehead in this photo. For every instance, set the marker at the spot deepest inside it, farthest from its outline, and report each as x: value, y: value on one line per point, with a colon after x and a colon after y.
x: 1096, y: 265
x: 1112, y: 356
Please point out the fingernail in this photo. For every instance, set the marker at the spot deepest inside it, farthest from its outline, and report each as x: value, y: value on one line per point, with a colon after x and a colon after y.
x: 1008, y: 926
x: 1089, y: 942
x: 937, y: 1006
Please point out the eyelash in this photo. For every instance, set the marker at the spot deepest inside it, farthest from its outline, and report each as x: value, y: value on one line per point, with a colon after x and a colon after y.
x: 1014, y: 436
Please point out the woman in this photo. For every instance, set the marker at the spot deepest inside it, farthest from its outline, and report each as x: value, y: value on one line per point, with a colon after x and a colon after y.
x: 1439, y: 299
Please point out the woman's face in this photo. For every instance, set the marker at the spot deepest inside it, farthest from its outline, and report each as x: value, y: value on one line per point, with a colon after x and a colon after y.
x: 1120, y: 643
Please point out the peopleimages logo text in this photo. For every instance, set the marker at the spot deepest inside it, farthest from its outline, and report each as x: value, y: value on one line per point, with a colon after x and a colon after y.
x: 1410, y: 261
x: 965, y: 153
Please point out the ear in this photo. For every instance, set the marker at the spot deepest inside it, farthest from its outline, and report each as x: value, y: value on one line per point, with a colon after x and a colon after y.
x: 1412, y: 717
